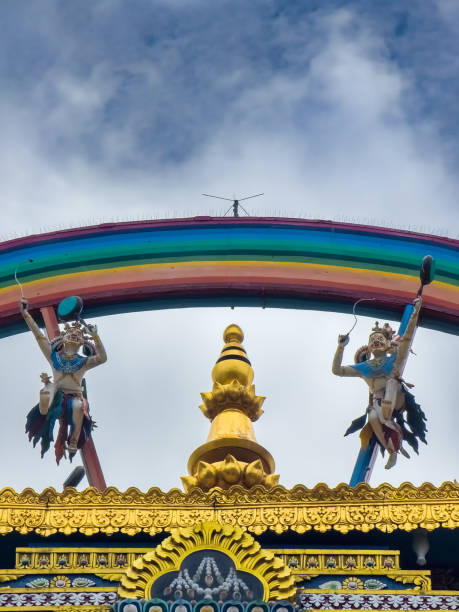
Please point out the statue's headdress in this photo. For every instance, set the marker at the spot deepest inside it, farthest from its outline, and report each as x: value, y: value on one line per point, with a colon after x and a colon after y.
x: 74, y: 333
x: 386, y: 330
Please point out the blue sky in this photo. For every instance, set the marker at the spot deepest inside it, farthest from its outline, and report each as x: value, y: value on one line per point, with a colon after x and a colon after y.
x: 336, y: 110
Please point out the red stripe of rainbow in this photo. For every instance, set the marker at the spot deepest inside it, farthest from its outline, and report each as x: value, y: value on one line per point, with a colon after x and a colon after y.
x: 260, y: 261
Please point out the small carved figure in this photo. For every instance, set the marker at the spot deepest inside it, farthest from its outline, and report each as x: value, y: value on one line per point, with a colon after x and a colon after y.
x: 83, y: 560
x: 63, y: 399
x: 120, y: 560
x: 312, y: 562
x: 389, y: 395
x: 388, y: 563
x: 370, y: 562
x: 350, y: 563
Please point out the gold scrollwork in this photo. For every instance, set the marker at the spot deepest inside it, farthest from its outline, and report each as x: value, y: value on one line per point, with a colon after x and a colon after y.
x: 421, y: 583
x: 343, y: 509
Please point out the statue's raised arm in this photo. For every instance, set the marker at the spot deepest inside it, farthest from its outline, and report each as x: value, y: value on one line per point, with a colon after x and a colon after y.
x: 337, y: 368
x: 404, y: 343
x: 41, y: 339
x: 63, y: 399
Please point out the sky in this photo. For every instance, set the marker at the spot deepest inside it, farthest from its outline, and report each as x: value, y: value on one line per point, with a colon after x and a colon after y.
x: 343, y: 110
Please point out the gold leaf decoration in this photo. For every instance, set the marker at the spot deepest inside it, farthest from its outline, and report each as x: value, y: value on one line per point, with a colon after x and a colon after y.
x: 342, y: 508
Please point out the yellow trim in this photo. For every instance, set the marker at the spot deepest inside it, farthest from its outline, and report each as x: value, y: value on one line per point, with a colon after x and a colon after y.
x: 302, y: 555
x: 343, y: 509
x: 93, y: 554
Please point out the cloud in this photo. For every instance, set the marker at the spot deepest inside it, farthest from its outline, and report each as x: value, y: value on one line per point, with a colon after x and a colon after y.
x: 133, y: 116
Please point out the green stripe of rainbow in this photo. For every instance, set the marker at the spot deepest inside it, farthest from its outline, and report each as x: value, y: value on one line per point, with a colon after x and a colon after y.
x: 261, y: 261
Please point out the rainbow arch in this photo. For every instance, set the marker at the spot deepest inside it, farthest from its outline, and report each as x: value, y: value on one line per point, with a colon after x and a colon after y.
x: 122, y: 267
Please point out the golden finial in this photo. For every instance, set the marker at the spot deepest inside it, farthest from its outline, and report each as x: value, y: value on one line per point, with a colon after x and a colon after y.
x: 233, y: 363
x: 233, y: 333
x: 231, y: 454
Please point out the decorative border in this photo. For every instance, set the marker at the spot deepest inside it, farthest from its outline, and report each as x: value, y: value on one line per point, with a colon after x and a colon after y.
x: 64, y: 608
x: 300, y: 509
x: 311, y: 563
x: 80, y: 560
x: 337, y: 561
x: 106, y: 559
x: 22, y: 600
x: 383, y: 601
x: 304, y: 564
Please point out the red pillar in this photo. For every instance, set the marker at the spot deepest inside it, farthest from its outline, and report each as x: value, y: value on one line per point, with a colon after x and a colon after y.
x: 50, y: 319
x: 88, y: 452
x: 92, y: 465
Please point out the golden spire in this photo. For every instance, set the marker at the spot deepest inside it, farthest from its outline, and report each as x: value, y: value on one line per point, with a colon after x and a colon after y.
x: 231, y: 454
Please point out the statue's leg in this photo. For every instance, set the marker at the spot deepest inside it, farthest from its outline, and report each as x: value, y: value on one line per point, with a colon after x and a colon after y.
x: 390, y: 398
x: 391, y: 461
x: 376, y: 426
x: 77, y: 417
x: 394, y: 438
x: 373, y: 419
x: 46, y: 398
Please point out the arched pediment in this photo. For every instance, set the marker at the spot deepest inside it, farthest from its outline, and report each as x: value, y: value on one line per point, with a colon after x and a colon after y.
x: 256, y: 572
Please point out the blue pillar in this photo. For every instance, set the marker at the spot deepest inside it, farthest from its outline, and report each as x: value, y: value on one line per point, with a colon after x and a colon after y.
x: 367, y: 456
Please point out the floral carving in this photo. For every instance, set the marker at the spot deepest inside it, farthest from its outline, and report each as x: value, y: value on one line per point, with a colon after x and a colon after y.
x: 300, y: 509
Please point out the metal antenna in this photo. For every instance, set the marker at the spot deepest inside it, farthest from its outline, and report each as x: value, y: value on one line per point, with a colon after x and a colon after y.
x: 236, y: 203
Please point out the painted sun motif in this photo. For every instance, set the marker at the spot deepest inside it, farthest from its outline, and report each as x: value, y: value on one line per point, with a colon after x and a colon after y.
x: 60, y: 582
x: 352, y: 583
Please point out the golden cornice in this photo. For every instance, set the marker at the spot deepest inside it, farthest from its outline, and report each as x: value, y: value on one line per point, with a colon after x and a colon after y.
x: 343, y: 509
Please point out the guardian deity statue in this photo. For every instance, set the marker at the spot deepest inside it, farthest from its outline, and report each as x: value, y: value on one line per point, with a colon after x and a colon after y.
x: 380, y: 364
x: 63, y: 399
